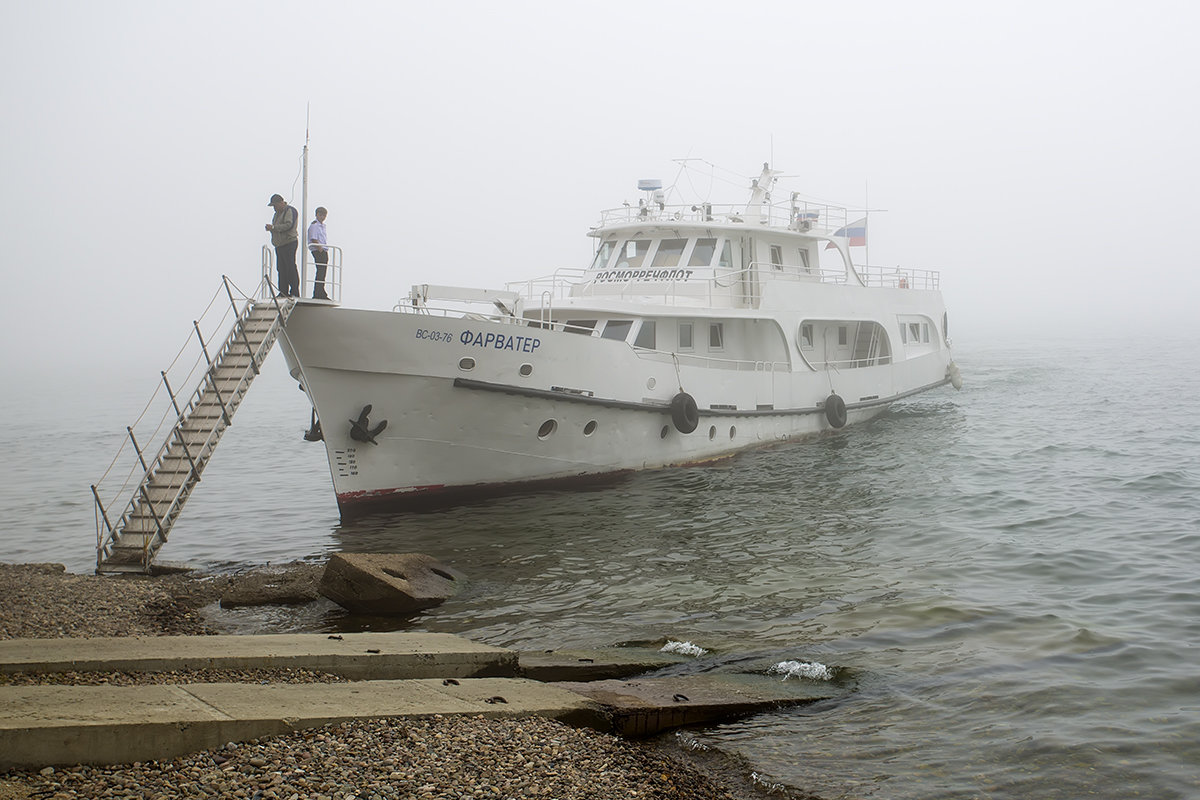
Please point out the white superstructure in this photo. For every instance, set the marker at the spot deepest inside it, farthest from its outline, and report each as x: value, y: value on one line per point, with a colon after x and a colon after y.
x: 696, y: 332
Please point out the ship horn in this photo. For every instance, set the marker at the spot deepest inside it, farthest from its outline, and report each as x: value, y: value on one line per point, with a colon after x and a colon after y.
x: 360, y: 430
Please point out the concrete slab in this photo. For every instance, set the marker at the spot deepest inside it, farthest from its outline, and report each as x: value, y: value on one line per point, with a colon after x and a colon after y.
x: 56, y: 725
x: 610, y: 663
x: 357, y: 656
x: 647, y: 706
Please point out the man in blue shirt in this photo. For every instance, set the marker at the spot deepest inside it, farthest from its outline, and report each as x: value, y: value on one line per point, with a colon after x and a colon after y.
x: 317, y: 245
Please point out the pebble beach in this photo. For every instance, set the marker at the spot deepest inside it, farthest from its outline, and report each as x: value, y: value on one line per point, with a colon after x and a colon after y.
x: 429, y: 757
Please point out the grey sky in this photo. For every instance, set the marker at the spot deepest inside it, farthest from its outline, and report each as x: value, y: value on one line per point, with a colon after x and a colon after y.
x: 1041, y: 155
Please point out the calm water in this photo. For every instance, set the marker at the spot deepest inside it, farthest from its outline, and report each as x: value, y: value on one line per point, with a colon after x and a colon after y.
x: 1008, y: 576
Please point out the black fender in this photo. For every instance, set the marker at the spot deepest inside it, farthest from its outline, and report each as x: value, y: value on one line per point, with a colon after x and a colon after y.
x: 684, y: 412
x: 835, y: 410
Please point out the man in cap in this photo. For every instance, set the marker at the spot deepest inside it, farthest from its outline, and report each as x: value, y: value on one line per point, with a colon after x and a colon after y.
x: 285, y: 236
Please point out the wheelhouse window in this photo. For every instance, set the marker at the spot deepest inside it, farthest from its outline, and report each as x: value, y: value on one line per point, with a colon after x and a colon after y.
x: 841, y: 334
x: 584, y: 326
x: 617, y: 329
x: 668, y: 253
x: 685, y: 336
x: 633, y: 253
x: 804, y: 260
x: 726, y: 255
x: 645, y: 335
x: 776, y: 256
x: 703, y: 252
x: 716, y: 336
x: 603, y: 254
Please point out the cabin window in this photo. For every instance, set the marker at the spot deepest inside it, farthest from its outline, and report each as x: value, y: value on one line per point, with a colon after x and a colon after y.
x: 914, y: 331
x: 685, y: 336
x: 804, y: 260
x: 617, y: 329
x: 841, y: 334
x: 584, y: 326
x: 645, y: 335
x: 806, y: 336
x: 925, y: 332
x: 703, y: 252
x: 669, y: 251
x: 716, y: 336
x: 903, y: 333
x: 633, y: 254
x: 776, y: 256
x: 726, y: 255
x: 603, y: 254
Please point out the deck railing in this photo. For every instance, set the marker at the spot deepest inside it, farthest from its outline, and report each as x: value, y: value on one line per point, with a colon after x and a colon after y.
x: 796, y: 215
x: 333, y: 275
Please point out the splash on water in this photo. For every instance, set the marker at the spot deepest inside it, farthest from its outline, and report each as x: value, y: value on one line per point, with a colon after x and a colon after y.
x: 683, y: 649
x: 802, y: 669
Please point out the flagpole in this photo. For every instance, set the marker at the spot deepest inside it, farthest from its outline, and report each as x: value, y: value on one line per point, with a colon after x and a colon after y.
x: 867, y: 225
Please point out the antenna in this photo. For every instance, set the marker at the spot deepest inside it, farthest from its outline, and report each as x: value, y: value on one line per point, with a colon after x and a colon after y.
x: 304, y: 208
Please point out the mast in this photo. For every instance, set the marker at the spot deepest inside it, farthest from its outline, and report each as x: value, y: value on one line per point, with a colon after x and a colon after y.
x: 304, y: 212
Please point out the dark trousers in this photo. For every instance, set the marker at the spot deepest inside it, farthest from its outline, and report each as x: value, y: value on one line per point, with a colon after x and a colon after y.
x: 321, y: 259
x: 285, y: 264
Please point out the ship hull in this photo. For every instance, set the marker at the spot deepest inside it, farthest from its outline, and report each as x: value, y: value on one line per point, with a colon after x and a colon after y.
x: 478, y: 407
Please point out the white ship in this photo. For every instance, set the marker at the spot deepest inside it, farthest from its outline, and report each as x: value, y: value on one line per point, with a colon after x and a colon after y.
x: 696, y: 332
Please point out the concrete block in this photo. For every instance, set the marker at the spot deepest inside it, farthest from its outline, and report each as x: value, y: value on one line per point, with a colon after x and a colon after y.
x: 387, y: 583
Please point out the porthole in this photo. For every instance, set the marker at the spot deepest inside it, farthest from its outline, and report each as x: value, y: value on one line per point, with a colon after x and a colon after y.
x: 651, y: 383
x: 665, y: 430
x: 466, y: 364
x: 590, y: 428
x: 732, y: 431
x: 526, y: 370
x: 548, y: 428
x: 712, y: 433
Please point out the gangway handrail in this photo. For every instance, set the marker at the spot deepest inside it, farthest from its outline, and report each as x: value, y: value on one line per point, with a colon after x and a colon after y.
x: 107, y: 532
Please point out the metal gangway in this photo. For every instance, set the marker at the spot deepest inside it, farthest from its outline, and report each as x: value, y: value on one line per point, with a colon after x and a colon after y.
x: 151, y: 486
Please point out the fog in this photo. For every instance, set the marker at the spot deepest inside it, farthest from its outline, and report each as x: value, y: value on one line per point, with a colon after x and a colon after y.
x: 1042, y: 156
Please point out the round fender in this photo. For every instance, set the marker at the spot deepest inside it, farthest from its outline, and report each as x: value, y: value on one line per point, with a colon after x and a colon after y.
x: 684, y: 412
x: 835, y: 410
x: 955, y: 376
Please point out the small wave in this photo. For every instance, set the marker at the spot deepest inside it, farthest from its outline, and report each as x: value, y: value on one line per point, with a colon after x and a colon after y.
x: 683, y: 648
x: 813, y: 670
x: 1165, y: 479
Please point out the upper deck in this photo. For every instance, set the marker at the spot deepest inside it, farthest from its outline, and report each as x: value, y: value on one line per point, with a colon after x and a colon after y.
x: 797, y: 216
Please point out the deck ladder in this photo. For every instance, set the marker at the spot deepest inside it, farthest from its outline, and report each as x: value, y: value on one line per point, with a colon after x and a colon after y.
x: 158, y: 483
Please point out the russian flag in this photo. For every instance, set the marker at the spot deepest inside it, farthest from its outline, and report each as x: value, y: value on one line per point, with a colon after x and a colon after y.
x: 856, y: 232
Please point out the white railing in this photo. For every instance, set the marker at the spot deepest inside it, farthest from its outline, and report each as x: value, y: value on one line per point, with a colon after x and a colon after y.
x: 799, y: 215
x: 713, y: 362
x: 898, y: 278
x: 559, y: 285
x: 734, y: 288
x: 850, y: 363
x: 332, y: 282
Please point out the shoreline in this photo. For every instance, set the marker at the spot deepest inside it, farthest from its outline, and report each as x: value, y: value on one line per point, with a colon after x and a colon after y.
x: 425, y: 757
